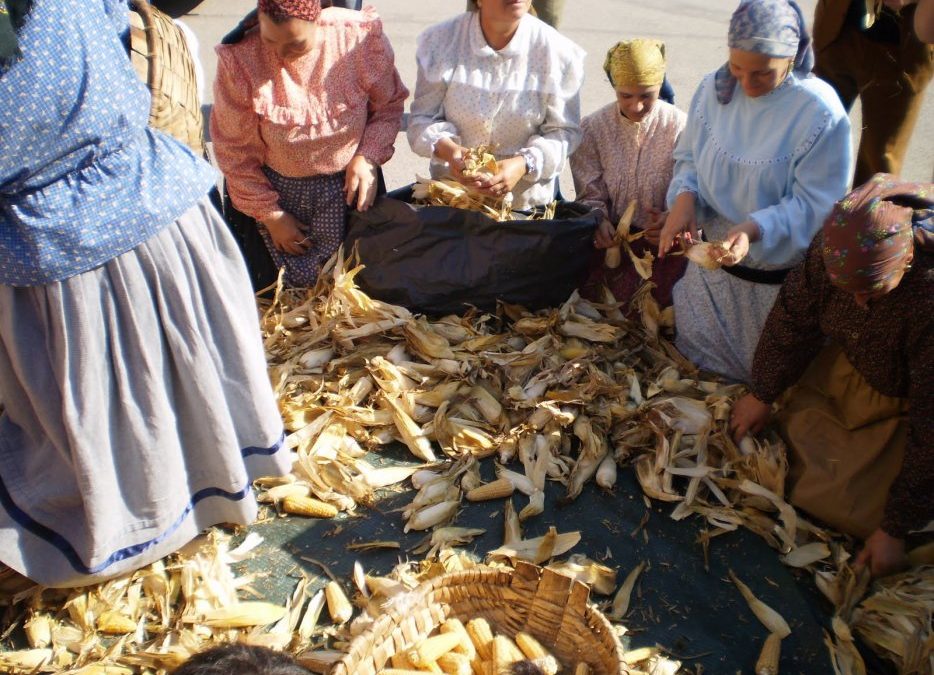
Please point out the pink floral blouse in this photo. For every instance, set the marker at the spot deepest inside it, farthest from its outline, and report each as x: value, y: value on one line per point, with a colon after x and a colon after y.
x: 309, y: 116
x: 619, y: 160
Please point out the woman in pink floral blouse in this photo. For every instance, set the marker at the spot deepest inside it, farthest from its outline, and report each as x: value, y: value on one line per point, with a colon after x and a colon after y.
x: 626, y: 154
x: 307, y: 106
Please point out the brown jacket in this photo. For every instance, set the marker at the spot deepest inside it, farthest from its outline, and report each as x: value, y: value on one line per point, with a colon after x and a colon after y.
x: 828, y: 21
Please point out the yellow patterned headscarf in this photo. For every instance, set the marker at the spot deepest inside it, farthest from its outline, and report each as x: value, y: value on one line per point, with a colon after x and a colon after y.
x: 639, y: 62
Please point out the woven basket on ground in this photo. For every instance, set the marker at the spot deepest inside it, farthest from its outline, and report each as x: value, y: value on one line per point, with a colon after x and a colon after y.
x: 551, y: 607
x: 162, y: 60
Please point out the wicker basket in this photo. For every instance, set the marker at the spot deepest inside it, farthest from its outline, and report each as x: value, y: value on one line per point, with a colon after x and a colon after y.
x: 160, y: 55
x: 551, y: 607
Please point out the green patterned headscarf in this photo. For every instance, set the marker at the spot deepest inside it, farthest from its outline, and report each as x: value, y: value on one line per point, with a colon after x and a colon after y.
x: 12, y: 13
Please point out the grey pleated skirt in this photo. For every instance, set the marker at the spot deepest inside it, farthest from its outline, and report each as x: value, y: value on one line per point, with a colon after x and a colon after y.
x: 137, y: 407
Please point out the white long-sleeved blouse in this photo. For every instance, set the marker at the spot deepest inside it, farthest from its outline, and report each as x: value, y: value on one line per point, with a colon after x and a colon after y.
x: 524, y: 98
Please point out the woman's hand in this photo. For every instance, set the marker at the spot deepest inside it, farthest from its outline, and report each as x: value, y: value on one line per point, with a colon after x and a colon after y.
x: 603, y: 238
x: 737, y: 242
x: 287, y: 233
x: 654, y: 222
x: 681, y: 220
x: 360, y: 183
x: 448, y: 151
x: 748, y: 417
x: 883, y: 553
x: 511, y: 171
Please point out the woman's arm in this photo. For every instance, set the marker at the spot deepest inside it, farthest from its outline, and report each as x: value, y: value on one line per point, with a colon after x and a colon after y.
x: 427, y: 123
x: 386, y: 95
x: 911, y: 498
x: 587, y: 171
x: 560, y: 133
x: 238, y: 147
x: 820, y: 178
x: 792, y: 335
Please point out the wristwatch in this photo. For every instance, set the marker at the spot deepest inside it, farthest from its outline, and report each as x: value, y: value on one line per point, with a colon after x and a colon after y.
x: 531, y: 165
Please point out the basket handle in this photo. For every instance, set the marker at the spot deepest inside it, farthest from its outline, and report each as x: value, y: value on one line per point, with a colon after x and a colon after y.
x: 572, y: 597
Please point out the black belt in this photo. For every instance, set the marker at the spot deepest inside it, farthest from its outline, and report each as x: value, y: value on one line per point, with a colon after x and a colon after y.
x: 770, y: 277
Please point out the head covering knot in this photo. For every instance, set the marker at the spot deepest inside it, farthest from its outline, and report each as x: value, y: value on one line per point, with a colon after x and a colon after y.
x: 307, y: 10
x: 872, y: 233
x: 639, y: 62
x: 774, y: 28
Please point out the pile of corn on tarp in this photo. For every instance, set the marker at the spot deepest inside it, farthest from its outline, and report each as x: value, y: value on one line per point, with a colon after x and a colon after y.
x: 561, y: 396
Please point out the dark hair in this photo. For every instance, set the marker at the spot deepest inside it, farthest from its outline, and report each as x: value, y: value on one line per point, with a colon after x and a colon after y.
x: 239, y: 659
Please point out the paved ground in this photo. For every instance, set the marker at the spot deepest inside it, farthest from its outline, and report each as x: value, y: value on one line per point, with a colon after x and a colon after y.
x: 694, y: 31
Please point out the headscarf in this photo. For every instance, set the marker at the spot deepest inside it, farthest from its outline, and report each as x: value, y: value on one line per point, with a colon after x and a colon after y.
x: 12, y: 15
x: 872, y: 232
x: 639, y: 62
x: 307, y: 10
x: 775, y: 28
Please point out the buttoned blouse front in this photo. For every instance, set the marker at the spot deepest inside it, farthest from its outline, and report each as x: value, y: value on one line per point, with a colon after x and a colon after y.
x: 524, y: 97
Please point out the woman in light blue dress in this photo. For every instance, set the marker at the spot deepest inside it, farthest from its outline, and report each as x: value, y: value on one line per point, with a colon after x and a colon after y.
x: 765, y: 155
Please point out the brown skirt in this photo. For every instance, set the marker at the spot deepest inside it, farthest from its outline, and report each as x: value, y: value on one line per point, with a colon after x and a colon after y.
x: 846, y: 443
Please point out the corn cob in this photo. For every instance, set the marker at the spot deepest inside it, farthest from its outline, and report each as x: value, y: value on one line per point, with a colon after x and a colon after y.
x: 769, y: 656
x: 497, y: 489
x: 482, y: 637
x: 582, y: 669
x: 505, y: 653
x: 432, y: 515
x: 429, y: 649
x: 339, y: 606
x: 39, y: 631
x: 308, y: 506
x: 465, y: 646
x: 115, y: 623
x: 454, y: 664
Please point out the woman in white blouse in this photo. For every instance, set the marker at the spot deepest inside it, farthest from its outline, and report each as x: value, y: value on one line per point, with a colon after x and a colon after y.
x: 498, y: 76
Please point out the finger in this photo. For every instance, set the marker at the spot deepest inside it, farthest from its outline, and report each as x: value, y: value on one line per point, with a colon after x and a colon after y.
x: 692, y: 231
x: 864, y: 557
x: 363, y: 195
x: 353, y: 185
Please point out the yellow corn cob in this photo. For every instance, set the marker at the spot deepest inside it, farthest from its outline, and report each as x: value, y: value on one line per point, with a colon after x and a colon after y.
x: 400, y: 661
x: 531, y: 647
x: 454, y: 664
x: 482, y: 637
x: 465, y: 646
x: 768, y: 657
x: 27, y: 660
x: 39, y: 631
x: 115, y: 623
x: 339, y: 606
x: 582, y: 669
x: 428, y: 650
x: 505, y: 653
x: 501, y: 487
x: 308, y: 506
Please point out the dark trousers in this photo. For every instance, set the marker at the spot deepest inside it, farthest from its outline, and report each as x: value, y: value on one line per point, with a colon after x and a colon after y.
x: 889, y: 77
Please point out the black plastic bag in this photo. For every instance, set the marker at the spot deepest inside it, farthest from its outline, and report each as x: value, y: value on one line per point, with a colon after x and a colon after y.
x: 438, y: 259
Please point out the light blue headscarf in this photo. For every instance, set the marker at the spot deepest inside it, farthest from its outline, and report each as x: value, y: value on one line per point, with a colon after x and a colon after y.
x: 775, y: 28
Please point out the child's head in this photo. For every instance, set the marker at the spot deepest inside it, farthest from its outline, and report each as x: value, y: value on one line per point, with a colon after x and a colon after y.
x: 238, y: 659
x: 636, y: 69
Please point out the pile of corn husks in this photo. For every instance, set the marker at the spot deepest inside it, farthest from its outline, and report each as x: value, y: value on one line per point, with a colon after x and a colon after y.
x: 450, y: 192
x: 565, y: 395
